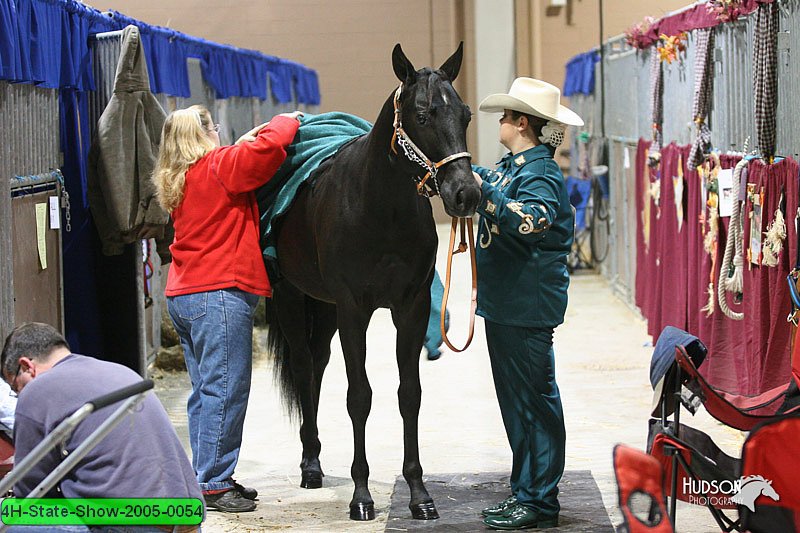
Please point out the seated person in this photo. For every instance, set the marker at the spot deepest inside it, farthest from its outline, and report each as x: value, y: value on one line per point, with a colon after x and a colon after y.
x: 8, y: 404
x: 140, y: 458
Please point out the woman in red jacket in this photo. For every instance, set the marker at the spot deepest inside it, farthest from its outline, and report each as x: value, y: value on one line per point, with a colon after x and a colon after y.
x: 216, y: 277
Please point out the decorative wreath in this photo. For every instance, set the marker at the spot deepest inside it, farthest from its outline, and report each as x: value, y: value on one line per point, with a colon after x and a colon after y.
x: 672, y: 47
x: 725, y: 10
x: 637, y: 31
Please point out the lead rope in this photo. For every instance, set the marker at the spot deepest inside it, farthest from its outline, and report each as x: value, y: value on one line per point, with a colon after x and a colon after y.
x: 465, y: 244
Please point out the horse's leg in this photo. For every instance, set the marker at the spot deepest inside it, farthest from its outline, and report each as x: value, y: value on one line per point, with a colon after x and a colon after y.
x: 321, y: 331
x: 411, y: 323
x: 291, y: 314
x: 353, y: 323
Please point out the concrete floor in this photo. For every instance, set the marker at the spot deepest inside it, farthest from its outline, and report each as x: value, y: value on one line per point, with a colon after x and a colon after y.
x: 602, y: 353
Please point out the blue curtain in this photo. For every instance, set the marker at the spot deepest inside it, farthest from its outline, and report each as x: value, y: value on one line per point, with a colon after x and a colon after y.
x: 307, y: 85
x: 81, y: 245
x: 166, y: 64
x: 280, y: 80
x: 579, y: 78
x: 10, y: 59
x: 45, y: 42
x: 233, y: 74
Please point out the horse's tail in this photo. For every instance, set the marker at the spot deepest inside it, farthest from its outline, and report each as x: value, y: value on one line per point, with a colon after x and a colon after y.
x: 280, y: 352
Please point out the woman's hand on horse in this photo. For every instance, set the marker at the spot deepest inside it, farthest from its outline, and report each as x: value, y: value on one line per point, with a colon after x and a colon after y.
x: 477, y: 178
x: 250, y: 136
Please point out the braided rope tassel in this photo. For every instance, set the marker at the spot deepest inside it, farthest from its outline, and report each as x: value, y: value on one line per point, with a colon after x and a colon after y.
x: 773, y: 243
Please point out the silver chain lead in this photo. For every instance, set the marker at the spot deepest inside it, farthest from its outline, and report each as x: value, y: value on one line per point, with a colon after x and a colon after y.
x: 412, y: 155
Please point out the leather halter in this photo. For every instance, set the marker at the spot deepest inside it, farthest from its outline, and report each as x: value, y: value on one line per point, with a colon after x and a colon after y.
x: 414, y: 154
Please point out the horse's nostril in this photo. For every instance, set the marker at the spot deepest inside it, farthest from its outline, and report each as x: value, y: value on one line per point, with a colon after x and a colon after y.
x: 460, y: 198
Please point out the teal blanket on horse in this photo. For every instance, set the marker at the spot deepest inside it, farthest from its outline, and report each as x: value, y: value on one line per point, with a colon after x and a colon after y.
x: 319, y: 137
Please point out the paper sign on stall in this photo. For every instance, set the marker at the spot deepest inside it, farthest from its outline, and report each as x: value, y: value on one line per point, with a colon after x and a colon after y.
x: 41, y: 233
x: 55, y: 213
x: 725, y: 184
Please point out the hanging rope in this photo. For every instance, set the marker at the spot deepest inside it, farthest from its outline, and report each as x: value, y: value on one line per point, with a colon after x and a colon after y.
x: 656, y: 106
x: 703, y: 91
x: 731, y: 278
x: 765, y: 77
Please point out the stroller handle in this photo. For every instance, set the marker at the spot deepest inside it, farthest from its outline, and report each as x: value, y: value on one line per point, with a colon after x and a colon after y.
x: 121, y: 394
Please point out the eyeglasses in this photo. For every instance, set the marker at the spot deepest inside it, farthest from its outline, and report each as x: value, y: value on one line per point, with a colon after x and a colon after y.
x: 13, y: 392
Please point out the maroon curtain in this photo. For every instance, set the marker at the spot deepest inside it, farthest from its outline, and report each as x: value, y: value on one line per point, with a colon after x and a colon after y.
x: 767, y: 301
x: 672, y: 284
x: 725, y: 338
x: 672, y: 275
x: 695, y: 18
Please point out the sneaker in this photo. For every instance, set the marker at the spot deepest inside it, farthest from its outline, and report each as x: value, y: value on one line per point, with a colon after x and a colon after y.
x: 230, y: 501
x: 246, y: 492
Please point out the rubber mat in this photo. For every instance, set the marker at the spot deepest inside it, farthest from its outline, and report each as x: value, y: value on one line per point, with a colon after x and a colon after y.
x: 459, y: 499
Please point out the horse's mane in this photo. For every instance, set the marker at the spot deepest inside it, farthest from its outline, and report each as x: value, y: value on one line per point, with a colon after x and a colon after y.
x: 752, y: 478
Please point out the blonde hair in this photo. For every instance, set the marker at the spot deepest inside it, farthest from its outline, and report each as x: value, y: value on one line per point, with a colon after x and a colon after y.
x: 184, y: 140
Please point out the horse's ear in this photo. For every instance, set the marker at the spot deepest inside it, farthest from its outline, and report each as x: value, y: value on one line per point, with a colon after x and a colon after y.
x: 403, y: 68
x: 452, y: 66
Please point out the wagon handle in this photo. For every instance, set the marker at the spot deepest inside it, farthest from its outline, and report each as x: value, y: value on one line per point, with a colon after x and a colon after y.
x: 465, y: 244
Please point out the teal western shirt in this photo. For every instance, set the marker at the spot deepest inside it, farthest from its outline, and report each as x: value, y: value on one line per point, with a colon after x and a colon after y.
x: 526, y: 231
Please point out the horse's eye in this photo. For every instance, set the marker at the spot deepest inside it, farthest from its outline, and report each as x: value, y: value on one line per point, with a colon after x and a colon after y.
x: 422, y: 118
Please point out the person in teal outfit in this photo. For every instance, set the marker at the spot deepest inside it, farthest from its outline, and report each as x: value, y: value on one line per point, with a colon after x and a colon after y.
x: 526, y: 232
x: 433, y: 335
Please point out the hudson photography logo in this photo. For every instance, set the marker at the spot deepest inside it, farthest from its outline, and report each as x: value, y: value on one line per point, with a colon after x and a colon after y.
x: 729, y: 493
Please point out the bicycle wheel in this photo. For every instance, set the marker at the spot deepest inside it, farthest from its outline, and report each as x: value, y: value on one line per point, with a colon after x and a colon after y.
x: 601, y: 225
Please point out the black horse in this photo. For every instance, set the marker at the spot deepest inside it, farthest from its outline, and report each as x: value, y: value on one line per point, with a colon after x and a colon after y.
x: 362, y: 237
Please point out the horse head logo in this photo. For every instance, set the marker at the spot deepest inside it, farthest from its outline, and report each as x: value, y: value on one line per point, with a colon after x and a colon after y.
x: 750, y: 488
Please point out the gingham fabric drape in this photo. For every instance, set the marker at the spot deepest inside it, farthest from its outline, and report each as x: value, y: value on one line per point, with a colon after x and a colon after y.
x: 656, y: 103
x: 703, y: 91
x: 765, y: 77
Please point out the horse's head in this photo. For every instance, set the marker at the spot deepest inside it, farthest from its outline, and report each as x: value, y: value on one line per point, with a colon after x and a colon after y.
x: 750, y: 488
x: 435, y: 119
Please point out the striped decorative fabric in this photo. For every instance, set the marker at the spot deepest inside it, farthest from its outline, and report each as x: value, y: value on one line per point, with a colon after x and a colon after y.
x: 656, y: 104
x: 703, y: 91
x: 765, y: 77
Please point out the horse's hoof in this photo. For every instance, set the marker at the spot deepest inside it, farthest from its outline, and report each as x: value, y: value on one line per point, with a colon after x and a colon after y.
x: 311, y: 480
x: 424, y: 511
x: 362, y: 511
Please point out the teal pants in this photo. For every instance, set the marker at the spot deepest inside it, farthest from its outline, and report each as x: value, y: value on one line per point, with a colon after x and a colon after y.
x: 433, y: 335
x: 523, y: 367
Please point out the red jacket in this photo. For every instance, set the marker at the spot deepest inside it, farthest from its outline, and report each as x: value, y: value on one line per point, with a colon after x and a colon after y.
x: 216, y: 242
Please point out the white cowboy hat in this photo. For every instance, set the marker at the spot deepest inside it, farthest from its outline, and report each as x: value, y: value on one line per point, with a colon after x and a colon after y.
x: 533, y: 97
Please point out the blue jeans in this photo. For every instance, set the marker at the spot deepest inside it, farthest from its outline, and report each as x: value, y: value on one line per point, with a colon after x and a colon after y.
x: 216, y: 331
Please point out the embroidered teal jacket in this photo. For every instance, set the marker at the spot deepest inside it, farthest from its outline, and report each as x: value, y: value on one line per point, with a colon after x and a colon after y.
x: 526, y: 231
